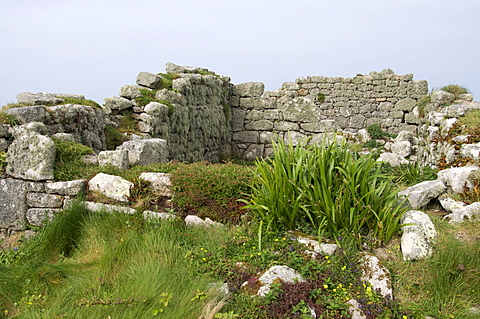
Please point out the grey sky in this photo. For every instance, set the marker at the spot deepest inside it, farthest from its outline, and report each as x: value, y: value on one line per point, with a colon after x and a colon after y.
x: 94, y: 47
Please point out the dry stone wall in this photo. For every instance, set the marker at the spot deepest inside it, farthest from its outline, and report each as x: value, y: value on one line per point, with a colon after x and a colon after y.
x: 313, y: 105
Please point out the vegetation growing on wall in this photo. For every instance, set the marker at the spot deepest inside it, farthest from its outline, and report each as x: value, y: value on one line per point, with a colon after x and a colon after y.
x: 7, y: 119
x: 68, y: 159
x: 455, y: 89
x: 149, y: 96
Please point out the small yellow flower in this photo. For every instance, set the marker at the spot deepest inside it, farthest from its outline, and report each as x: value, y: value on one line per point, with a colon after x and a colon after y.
x: 344, y: 267
x: 369, y: 289
x: 326, y: 257
x: 204, y: 259
x: 284, y: 238
x: 251, y: 255
x: 259, y: 254
x: 404, y: 317
x: 325, y: 286
x: 328, y: 262
x: 339, y: 286
x: 276, y: 239
x: 334, y: 289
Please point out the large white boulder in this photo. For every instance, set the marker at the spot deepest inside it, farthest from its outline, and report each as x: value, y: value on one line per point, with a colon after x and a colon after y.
x: 416, y: 242
x: 456, y: 178
x: 111, y: 186
x: 420, y: 194
x: 145, y: 151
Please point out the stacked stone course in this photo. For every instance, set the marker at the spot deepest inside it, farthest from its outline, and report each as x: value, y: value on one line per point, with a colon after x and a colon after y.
x: 313, y: 105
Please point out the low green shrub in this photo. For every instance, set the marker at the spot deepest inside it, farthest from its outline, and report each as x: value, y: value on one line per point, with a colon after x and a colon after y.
x: 113, y: 137
x: 321, y: 97
x: 167, y: 80
x: 73, y: 100
x: 3, y: 161
x: 211, y: 190
x: 68, y: 160
x: 7, y: 119
x: 455, y: 89
x: 325, y: 188
x: 376, y: 132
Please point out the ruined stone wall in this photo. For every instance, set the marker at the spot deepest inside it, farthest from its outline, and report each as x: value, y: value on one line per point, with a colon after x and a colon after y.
x: 314, y: 105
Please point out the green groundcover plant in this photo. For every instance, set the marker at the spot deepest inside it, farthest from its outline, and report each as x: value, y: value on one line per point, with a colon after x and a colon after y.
x: 326, y: 188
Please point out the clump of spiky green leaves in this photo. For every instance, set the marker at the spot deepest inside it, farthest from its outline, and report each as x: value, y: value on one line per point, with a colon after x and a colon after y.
x: 7, y: 119
x: 68, y: 159
x: 328, y: 188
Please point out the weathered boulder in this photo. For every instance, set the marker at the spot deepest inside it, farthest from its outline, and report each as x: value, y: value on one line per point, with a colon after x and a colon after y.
x: 64, y: 137
x: 377, y: 275
x: 451, y: 205
x: 173, y: 97
x: 100, y: 207
x: 117, y: 103
x: 39, y: 216
x: 193, y: 221
x: 43, y: 200
x: 31, y: 157
x: 314, y: 245
x: 456, y: 178
x: 146, y: 151
x: 393, y: 159
x: 467, y: 213
x: 422, y: 193
x: 159, y: 182
x: 416, y: 242
x: 250, y: 89
x: 174, y: 68
x: 111, y: 186
x: 13, y: 203
x: 41, y: 98
x: 150, y: 80
x: 441, y: 97
x: 28, y: 129
x: 130, y: 91
x: 117, y: 158
x: 470, y: 151
x: 27, y: 114
x: 274, y: 274
x: 402, y: 148
x: 70, y: 188
x: 148, y: 214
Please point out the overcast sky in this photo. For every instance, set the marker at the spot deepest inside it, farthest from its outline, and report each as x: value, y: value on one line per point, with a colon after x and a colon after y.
x: 94, y: 47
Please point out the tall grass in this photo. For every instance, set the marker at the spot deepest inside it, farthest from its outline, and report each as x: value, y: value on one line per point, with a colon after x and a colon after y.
x: 327, y: 187
x: 96, y: 265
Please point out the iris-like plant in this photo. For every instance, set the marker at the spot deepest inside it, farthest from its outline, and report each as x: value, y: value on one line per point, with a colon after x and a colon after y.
x: 327, y: 187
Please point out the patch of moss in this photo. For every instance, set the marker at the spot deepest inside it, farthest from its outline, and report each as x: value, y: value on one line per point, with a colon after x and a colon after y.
x: 167, y: 80
x: 321, y: 97
x: 7, y: 119
x: 72, y: 100
x: 113, y: 137
x: 3, y: 161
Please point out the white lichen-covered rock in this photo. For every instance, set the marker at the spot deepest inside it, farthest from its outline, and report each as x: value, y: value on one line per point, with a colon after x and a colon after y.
x: 192, y: 221
x: 159, y: 182
x: 314, y: 245
x: 42, y: 200
x: 393, y: 159
x: 377, y: 275
x: 111, y: 186
x: 467, y: 213
x: 274, y: 274
x: 117, y: 158
x: 456, y: 178
x: 416, y: 242
x: 406, y: 136
x: 146, y: 151
x: 150, y: 80
x: 421, y: 194
x: 250, y: 89
x: 13, y: 203
x: 451, y: 205
x: 39, y: 216
x: 148, y: 214
x: 441, y: 97
x: 470, y: 151
x: 64, y: 137
x: 31, y: 128
x: 100, y: 207
x: 354, y: 310
x: 402, y: 148
x: 70, y: 188
x: 41, y: 98
x: 31, y: 157
x: 130, y: 91
x: 117, y: 103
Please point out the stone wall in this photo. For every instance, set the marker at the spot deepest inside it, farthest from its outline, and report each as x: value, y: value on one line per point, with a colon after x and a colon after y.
x: 314, y: 105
